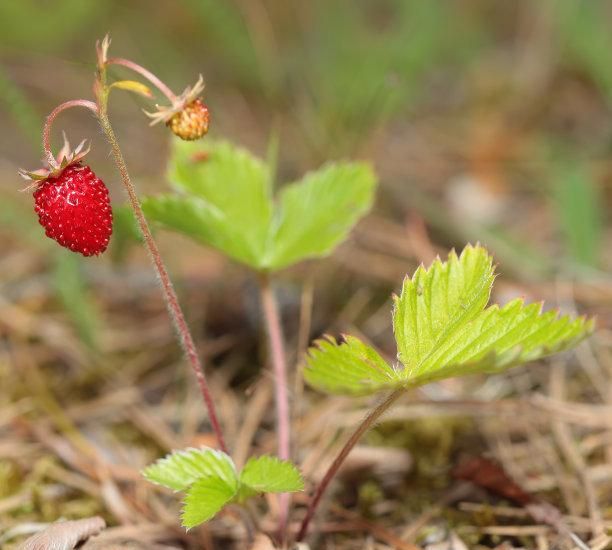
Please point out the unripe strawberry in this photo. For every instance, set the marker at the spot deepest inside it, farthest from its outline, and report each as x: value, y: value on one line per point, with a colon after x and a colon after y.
x: 74, y: 208
x: 192, y: 122
x: 188, y: 116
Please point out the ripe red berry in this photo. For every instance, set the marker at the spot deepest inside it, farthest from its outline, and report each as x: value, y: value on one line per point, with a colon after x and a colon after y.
x: 74, y: 208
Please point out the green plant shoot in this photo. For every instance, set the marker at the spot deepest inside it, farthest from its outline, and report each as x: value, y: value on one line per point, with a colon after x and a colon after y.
x: 443, y: 329
x: 210, y: 480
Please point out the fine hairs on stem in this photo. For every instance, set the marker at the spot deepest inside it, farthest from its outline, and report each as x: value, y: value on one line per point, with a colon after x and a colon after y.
x: 172, y: 302
x: 173, y: 305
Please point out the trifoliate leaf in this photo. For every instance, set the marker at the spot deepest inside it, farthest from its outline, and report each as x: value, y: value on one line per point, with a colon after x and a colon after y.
x: 224, y: 201
x: 210, y: 480
x: 182, y: 468
x: 443, y: 330
x: 205, y: 498
x: 316, y: 213
x: 268, y: 474
x: 349, y: 367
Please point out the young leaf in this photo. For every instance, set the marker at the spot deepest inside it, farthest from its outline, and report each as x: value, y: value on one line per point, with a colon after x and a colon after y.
x: 268, y: 474
x: 434, y: 302
x: 500, y: 338
x: 316, y: 213
x: 205, y: 498
x: 351, y: 367
x: 181, y: 469
x: 210, y: 480
x: 443, y: 330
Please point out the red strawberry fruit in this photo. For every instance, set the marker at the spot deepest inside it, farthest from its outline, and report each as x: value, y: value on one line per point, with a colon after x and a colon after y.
x: 74, y: 208
x: 72, y: 203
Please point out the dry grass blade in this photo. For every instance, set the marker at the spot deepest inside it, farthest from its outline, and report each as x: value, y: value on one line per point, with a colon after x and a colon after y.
x: 64, y: 535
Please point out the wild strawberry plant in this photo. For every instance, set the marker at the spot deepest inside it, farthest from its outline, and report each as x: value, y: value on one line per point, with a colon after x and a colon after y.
x: 224, y: 197
x: 210, y: 480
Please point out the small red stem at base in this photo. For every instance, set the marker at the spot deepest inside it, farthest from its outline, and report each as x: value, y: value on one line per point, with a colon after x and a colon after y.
x: 279, y: 365
x: 46, y: 135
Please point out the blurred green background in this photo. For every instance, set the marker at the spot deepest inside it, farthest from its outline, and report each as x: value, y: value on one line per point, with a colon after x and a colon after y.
x: 486, y: 120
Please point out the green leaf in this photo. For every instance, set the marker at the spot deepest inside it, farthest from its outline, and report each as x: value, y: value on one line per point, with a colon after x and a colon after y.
x: 501, y: 338
x: 205, y: 498
x: 202, y: 222
x: 269, y: 474
x: 210, y: 480
x: 434, y: 302
x: 443, y: 330
x: 351, y: 367
x: 317, y: 213
x: 232, y: 181
x: 223, y: 200
x: 181, y: 469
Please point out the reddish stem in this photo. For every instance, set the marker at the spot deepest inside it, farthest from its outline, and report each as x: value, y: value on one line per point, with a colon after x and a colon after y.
x: 49, y: 122
x: 365, y: 425
x: 172, y: 302
x: 279, y: 365
x: 159, y: 84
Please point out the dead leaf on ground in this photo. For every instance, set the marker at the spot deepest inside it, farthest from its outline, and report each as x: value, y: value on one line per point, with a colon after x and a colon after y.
x: 64, y: 535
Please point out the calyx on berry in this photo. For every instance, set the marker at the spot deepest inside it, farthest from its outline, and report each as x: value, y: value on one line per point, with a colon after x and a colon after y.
x: 64, y: 158
x: 164, y: 114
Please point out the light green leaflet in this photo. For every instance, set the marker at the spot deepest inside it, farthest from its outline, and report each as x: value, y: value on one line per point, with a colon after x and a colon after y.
x: 442, y: 329
x: 211, y: 481
x: 224, y: 200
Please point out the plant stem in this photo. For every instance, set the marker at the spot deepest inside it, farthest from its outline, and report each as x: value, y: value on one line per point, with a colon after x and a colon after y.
x: 146, y: 74
x: 279, y: 365
x: 365, y: 425
x: 172, y: 302
x: 49, y: 122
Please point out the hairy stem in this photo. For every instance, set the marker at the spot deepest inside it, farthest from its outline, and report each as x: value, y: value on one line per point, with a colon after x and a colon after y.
x: 49, y: 122
x: 161, y: 86
x: 279, y: 365
x: 365, y: 425
x: 172, y: 302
